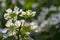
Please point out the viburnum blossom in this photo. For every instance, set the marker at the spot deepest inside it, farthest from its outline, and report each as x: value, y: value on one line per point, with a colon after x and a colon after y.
x: 28, y: 13
x: 12, y: 14
x: 22, y: 21
x: 18, y: 23
x: 9, y: 23
x: 14, y: 24
x: 9, y: 10
x: 33, y: 25
x: 16, y: 10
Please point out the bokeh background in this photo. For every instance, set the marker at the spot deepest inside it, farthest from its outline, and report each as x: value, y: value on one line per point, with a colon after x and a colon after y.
x: 47, y: 15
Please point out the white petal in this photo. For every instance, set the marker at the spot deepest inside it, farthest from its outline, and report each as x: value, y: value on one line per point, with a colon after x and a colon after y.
x: 9, y: 11
x: 12, y: 34
x: 9, y: 23
x: 18, y: 23
x: 4, y: 30
x: 21, y: 10
x: 33, y: 13
x: 23, y: 13
x: 23, y: 21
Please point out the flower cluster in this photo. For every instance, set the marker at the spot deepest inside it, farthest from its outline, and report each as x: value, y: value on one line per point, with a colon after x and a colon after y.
x: 12, y: 14
x: 27, y: 14
x: 16, y: 24
x: 12, y: 18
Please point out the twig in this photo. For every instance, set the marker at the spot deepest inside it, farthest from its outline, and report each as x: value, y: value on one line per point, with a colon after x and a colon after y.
x: 19, y: 32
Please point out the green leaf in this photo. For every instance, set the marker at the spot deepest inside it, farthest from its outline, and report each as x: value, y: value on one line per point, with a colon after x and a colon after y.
x: 28, y: 4
x: 24, y: 30
x: 10, y: 38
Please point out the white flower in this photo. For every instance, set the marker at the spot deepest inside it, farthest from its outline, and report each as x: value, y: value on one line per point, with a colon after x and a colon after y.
x: 17, y: 23
x: 27, y: 23
x: 11, y: 14
x: 16, y: 10
x: 12, y: 33
x: 6, y: 16
x: 28, y: 12
x: 28, y: 33
x: 38, y: 30
x: 9, y: 23
x: 20, y: 10
x: 33, y: 25
x: 43, y: 24
x: 53, y: 8
x: 9, y: 11
x: 33, y: 13
x: 4, y: 30
x: 45, y: 10
x: 22, y: 21
x: 23, y: 13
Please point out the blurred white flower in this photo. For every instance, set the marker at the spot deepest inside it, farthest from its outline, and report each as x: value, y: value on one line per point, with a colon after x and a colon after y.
x: 20, y: 10
x: 12, y: 19
x: 45, y: 10
x: 12, y: 14
x: 17, y: 10
x: 27, y: 23
x: 43, y: 24
x: 33, y: 13
x: 4, y: 30
x: 23, y: 13
x: 33, y: 25
x: 28, y: 13
x: 57, y: 26
x: 53, y: 8
x: 38, y: 30
x: 22, y: 21
x: 5, y: 36
x: 6, y: 16
x: 27, y: 33
x: 43, y: 14
x: 9, y: 23
x: 55, y: 18
x: 3, y: 4
x: 17, y: 23
x: 12, y: 33
x: 9, y: 11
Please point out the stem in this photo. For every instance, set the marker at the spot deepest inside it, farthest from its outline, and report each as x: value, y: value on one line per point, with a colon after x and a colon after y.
x: 19, y: 32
